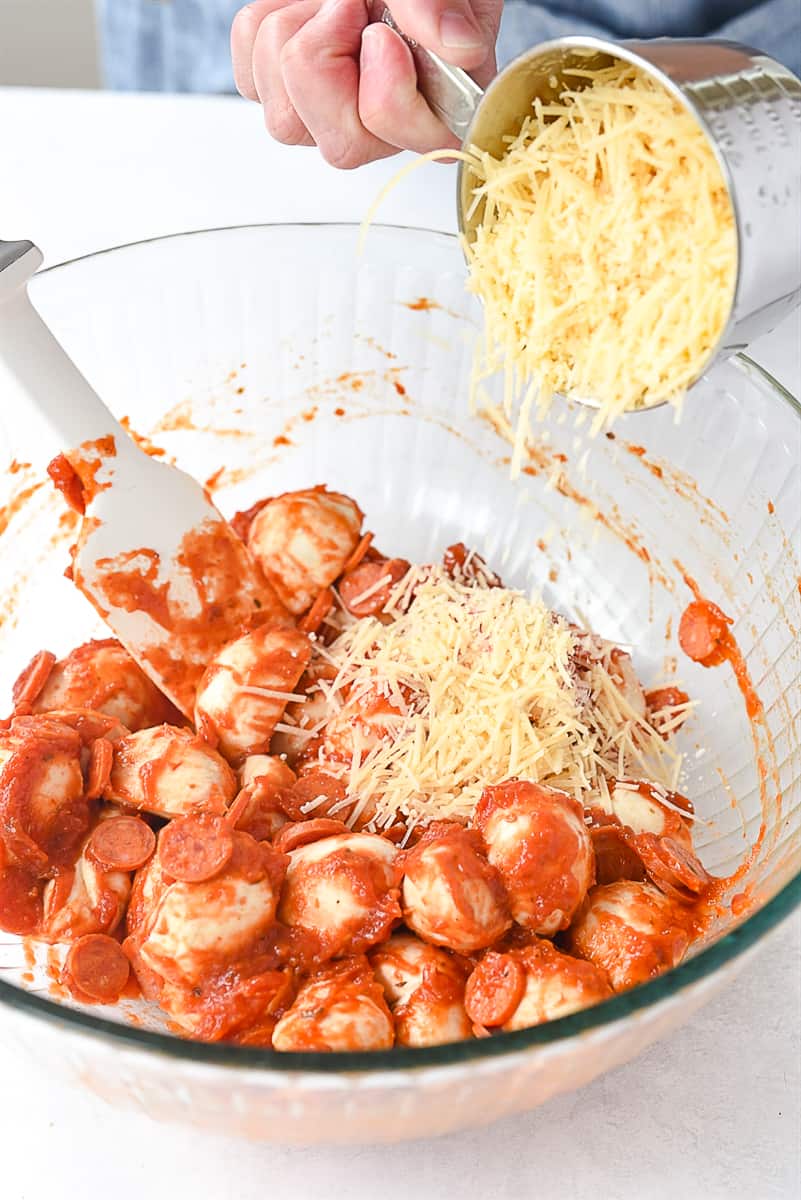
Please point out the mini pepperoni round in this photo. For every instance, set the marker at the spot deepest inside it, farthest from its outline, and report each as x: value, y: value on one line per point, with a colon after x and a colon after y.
x: 366, y: 589
x: 672, y: 866
x: 666, y: 697
x: 122, y: 843
x: 301, y: 833
x: 98, y: 968
x: 101, y: 760
x: 494, y: 989
x: 32, y: 680
x: 704, y: 632
x: 311, y: 787
x: 358, y: 554
x: 318, y: 612
x: 20, y: 901
x: 194, y: 849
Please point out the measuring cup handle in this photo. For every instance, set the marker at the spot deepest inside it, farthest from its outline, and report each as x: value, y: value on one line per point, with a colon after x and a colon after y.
x: 449, y: 91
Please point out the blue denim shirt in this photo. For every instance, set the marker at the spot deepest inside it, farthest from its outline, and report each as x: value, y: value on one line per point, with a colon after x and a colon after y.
x: 182, y: 45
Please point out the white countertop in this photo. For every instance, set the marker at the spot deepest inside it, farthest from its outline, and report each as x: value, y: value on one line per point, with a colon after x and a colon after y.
x: 714, y: 1111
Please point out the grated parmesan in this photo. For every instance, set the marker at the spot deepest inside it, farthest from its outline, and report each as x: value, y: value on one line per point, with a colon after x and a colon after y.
x: 605, y: 254
x: 487, y: 687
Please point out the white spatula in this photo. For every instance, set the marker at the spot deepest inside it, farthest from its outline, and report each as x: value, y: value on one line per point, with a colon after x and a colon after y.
x: 153, y: 555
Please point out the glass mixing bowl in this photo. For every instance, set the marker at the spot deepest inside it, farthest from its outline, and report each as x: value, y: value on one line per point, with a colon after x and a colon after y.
x: 269, y: 358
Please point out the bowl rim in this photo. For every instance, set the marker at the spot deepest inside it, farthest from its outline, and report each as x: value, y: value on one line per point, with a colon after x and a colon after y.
x: 726, y: 950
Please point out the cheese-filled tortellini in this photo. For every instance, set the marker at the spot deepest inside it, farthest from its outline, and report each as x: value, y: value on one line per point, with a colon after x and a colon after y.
x: 631, y: 930
x: 302, y: 541
x: 340, y: 1007
x: 170, y: 772
x: 43, y: 811
x: 451, y: 895
x: 101, y: 675
x: 341, y: 892
x: 526, y: 985
x: 245, y: 689
x: 424, y: 987
x: 537, y: 839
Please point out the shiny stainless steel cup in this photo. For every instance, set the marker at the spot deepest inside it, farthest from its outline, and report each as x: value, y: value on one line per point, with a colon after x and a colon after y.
x: 748, y: 105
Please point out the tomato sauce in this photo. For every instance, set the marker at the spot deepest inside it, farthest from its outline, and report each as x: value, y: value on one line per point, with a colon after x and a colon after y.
x: 223, y: 604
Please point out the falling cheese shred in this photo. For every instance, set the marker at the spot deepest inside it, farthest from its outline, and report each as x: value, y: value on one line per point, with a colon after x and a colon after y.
x: 606, y: 253
x: 479, y: 685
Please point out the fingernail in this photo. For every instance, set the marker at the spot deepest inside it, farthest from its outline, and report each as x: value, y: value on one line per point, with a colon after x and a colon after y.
x: 457, y: 33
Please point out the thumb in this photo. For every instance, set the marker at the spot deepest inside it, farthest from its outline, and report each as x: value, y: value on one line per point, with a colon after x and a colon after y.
x: 450, y: 28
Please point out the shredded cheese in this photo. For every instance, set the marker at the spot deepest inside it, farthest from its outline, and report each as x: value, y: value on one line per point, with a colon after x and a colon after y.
x: 480, y: 684
x: 605, y: 254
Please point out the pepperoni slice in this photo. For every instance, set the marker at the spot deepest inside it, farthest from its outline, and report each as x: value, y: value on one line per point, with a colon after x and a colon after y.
x: 318, y: 612
x: 121, y: 843
x: 666, y: 697
x: 704, y: 633
x: 308, y: 788
x: 194, y: 849
x: 101, y: 760
x: 20, y: 901
x: 672, y: 866
x: 240, y: 807
x: 494, y: 989
x: 364, y: 578
x: 468, y: 567
x: 358, y: 554
x: 98, y: 968
x: 32, y: 680
x: 303, y: 832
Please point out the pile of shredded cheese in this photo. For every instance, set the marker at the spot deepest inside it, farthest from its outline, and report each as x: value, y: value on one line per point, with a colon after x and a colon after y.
x: 606, y: 254
x: 486, y: 686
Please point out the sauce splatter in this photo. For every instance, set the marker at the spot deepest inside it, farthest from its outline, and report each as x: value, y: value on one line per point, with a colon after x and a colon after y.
x: 422, y: 304
x: 355, y: 382
x: 16, y: 504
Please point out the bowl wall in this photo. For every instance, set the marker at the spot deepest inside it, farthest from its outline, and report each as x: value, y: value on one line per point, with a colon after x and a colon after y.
x: 270, y: 358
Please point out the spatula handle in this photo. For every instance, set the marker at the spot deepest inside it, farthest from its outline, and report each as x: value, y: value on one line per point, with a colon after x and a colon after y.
x: 35, y: 371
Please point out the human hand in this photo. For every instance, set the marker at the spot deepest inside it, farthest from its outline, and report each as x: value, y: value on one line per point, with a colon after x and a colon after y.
x: 326, y: 77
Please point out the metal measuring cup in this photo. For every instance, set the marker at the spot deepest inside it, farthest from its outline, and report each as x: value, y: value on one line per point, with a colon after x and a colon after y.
x: 747, y: 104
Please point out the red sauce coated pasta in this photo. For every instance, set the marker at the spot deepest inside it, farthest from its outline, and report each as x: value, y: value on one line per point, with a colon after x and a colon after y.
x: 233, y: 869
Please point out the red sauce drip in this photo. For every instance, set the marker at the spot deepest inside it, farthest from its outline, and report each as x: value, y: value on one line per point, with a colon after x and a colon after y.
x: 705, y: 637
x: 281, y: 440
x: 771, y: 507
x: 339, y: 412
x: 422, y: 304
x: 399, y: 388
x: 214, y: 479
